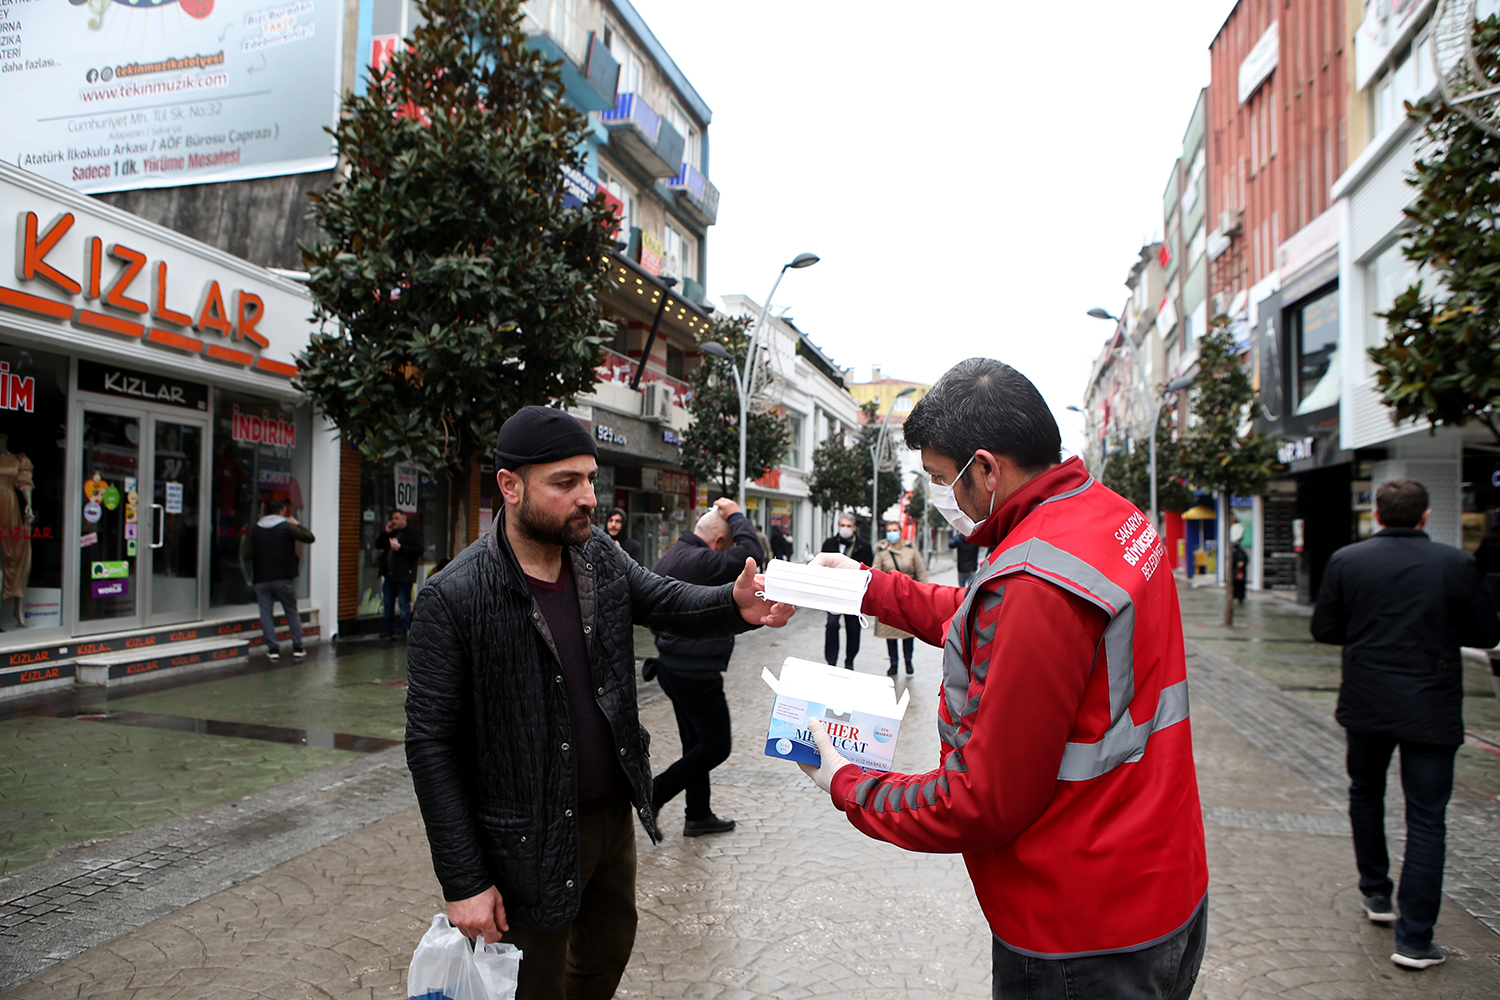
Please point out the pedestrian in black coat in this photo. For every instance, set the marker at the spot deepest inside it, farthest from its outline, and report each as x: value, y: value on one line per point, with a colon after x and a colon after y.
x: 1401, y: 605
x: 691, y: 671
x: 967, y: 558
x: 400, y: 549
x: 845, y: 541
x: 523, y: 738
x: 615, y: 525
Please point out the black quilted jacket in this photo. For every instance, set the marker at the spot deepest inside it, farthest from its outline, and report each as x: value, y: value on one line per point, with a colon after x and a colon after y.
x: 487, y: 715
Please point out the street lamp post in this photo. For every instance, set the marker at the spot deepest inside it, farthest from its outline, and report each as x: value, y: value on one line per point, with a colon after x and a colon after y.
x: 875, y: 452
x: 742, y: 374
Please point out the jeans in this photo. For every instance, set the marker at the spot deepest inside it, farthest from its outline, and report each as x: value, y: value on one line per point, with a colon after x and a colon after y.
x: 1427, y: 781
x: 907, y: 645
x: 964, y: 576
x: 831, y: 640
x: 284, y: 591
x: 397, y: 592
x: 703, y: 724
x: 1165, y: 971
x: 585, y: 960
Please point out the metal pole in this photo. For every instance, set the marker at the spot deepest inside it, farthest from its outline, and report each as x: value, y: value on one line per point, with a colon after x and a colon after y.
x: 744, y: 383
x: 875, y: 454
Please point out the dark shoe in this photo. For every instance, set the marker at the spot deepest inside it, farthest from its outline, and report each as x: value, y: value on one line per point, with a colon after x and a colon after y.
x: 385, y: 635
x: 891, y: 672
x: 848, y: 666
x: 648, y: 668
x: 273, y: 653
x: 1420, y: 958
x: 713, y: 824
x: 909, y: 668
x: 298, y: 654
x: 1378, y: 909
x: 398, y: 636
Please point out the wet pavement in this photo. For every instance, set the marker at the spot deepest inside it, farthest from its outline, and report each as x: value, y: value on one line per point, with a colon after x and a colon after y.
x: 265, y: 863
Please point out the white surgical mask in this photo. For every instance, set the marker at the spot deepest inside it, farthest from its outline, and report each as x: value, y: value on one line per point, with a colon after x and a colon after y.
x: 838, y: 591
x: 947, y: 504
x: 846, y: 533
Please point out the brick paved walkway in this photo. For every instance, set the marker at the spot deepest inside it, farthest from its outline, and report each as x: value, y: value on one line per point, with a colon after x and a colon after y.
x: 321, y: 886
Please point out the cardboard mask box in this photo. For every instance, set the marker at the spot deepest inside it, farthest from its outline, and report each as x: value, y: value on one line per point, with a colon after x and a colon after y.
x: 861, y: 710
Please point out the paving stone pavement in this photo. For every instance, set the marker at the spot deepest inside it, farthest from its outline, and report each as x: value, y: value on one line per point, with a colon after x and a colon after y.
x: 325, y: 886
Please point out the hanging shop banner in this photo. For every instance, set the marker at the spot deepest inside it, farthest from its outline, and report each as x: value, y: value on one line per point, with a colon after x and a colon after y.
x: 406, y: 488
x: 112, y: 95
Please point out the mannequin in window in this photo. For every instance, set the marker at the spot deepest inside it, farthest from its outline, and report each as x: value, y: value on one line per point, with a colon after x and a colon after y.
x: 16, y: 517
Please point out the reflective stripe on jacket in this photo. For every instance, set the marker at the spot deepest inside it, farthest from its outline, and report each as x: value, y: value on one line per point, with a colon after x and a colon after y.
x: 1067, y: 777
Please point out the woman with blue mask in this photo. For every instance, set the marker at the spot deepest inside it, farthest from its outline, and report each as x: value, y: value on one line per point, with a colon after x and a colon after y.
x: 896, y: 556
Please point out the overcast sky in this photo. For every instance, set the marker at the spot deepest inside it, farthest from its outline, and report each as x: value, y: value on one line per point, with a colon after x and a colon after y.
x: 975, y: 175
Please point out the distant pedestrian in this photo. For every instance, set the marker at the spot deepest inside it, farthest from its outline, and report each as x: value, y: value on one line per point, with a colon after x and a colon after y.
x: 1239, y: 565
x: 781, y: 545
x: 967, y: 558
x: 845, y: 542
x: 1401, y: 605
x: 615, y: 527
x: 522, y: 735
x: 765, y: 547
x: 691, y: 671
x: 896, y: 556
x: 272, y: 550
x: 400, y: 547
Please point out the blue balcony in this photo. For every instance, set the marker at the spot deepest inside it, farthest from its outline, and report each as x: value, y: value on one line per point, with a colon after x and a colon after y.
x: 590, y: 87
x: 640, y: 135
x: 696, y: 195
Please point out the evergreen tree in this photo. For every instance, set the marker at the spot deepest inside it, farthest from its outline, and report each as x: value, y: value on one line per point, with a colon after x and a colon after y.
x: 711, y: 446
x: 1441, y: 358
x: 454, y: 285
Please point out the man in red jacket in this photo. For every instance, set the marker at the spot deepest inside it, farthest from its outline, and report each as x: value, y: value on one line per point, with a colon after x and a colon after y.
x: 1066, y: 776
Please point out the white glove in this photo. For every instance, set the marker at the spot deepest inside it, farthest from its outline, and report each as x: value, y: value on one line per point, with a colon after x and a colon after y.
x: 833, y: 761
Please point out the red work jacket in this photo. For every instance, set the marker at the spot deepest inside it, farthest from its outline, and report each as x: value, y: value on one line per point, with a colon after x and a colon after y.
x: 1066, y: 778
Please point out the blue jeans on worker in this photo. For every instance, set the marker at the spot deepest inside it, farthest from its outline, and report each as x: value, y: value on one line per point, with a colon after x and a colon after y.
x: 1427, y: 782
x: 267, y: 594
x: 1164, y: 971
x: 393, y: 593
x: 831, y: 640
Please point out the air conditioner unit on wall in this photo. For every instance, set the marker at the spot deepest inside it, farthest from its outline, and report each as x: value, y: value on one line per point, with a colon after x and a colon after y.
x: 656, y: 402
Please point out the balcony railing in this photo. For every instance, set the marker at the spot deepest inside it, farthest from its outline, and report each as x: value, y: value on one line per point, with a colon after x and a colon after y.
x: 639, y: 133
x: 620, y: 369
x: 697, y: 194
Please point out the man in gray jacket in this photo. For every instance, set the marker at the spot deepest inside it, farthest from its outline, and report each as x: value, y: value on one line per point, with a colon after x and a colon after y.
x: 1401, y: 606
x: 272, y: 550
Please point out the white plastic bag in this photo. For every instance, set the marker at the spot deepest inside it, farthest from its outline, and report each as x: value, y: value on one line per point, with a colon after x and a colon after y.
x: 446, y: 967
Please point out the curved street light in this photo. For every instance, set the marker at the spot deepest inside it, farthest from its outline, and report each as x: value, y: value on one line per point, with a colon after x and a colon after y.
x: 875, y: 452
x: 742, y: 374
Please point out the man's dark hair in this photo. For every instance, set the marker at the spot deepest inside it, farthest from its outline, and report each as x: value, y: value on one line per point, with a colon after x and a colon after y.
x: 981, y: 403
x: 1401, y: 503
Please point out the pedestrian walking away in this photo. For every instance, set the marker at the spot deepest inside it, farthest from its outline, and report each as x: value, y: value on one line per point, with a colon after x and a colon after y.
x: 966, y: 558
x: 781, y: 545
x: 614, y: 524
x: 691, y: 671
x: 845, y: 542
x: 1401, y: 605
x: 1063, y: 711
x: 400, y: 549
x: 522, y: 736
x: 896, y: 556
x: 272, y: 551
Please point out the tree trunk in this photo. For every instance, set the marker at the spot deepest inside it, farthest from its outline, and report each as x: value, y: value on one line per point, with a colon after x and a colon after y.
x: 1226, y: 568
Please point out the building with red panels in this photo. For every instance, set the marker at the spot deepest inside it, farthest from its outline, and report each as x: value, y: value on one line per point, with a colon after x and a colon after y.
x: 1278, y: 134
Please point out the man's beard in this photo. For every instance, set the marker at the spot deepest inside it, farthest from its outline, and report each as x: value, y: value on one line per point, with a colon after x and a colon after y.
x: 572, y: 530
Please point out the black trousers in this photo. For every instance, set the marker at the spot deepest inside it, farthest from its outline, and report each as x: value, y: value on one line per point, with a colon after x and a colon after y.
x: 1427, y: 781
x: 1165, y: 971
x: 703, y: 725
x: 831, y: 640
x: 585, y: 960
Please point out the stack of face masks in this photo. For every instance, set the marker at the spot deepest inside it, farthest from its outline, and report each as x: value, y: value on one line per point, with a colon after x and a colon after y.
x: 839, y: 591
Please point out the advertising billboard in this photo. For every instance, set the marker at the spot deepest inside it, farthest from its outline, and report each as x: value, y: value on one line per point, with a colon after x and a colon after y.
x: 109, y: 95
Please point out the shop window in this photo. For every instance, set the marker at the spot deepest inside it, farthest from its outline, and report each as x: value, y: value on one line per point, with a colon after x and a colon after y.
x: 423, y: 498
x: 262, y: 454
x: 33, y: 440
x: 1314, y: 330
x: 1386, y: 277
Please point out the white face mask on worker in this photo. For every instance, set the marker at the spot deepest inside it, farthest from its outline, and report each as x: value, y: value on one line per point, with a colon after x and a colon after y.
x: 947, y: 504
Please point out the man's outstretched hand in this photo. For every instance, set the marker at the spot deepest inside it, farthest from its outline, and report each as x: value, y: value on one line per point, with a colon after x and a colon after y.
x: 833, y: 761
x: 757, y: 610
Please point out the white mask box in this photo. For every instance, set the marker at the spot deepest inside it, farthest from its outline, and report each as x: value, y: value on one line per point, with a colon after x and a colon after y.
x: 861, y: 711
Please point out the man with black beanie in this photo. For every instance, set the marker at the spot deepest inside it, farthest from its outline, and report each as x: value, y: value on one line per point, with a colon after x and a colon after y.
x: 614, y: 524
x: 522, y: 734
